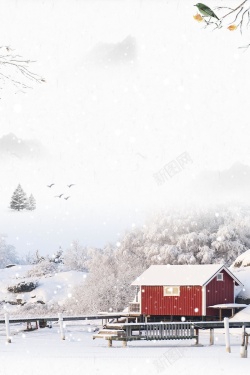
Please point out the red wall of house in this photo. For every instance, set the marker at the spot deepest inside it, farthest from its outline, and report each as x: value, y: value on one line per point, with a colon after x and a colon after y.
x: 218, y: 292
x: 189, y: 303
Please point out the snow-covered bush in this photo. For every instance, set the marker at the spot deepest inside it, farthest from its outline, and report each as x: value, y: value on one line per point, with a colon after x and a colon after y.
x: 45, y: 267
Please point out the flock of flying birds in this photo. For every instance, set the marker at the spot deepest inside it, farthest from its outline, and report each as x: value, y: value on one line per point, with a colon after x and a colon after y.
x: 60, y: 195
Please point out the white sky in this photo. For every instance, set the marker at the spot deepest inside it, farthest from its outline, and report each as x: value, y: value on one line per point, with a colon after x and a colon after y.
x: 187, y: 90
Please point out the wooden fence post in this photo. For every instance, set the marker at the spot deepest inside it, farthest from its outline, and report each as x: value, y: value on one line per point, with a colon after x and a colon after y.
x: 227, y: 336
x: 197, y: 334
x: 60, y: 320
x: 246, y: 344
x: 7, y: 326
x: 124, y: 343
x: 243, y: 353
x: 211, y: 336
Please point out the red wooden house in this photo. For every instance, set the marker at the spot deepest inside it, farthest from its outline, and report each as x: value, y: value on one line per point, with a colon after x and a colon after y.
x: 184, y: 290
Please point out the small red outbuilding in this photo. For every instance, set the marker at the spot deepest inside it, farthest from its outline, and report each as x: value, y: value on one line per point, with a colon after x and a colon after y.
x: 184, y: 290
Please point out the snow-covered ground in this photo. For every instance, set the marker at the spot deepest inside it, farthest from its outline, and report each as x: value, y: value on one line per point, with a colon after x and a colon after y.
x: 242, y: 316
x: 43, y: 352
x: 51, y: 289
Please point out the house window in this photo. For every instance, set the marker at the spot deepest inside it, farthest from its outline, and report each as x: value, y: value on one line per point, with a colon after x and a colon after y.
x: 171, y: 291
x: 220, y: 277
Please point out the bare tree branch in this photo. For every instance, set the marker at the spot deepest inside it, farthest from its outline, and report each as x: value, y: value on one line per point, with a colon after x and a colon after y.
x: 234, y: 18
x: 16, y: 70
x: 234, y: 10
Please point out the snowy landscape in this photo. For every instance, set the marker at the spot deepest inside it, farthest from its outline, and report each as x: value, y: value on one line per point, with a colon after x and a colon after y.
x: 124, y: 145
x: 43, y: 351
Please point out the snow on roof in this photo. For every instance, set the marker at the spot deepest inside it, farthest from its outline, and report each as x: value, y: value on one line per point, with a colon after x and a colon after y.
x: 198, y: 274
x: 242, y: 316
x: 242, y: 274
x: 243, y: 259
x: 229, y: 306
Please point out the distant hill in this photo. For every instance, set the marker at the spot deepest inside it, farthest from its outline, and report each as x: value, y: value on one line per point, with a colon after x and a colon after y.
x: 232, y: 183
x: 114, y: 53
x: 12, y: 146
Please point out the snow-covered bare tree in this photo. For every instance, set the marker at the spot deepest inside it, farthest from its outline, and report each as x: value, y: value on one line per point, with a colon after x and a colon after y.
x: 36, y: 258
x: 98, y: 292
x: 7, y: 254
x: 15, y: 70
x: 45, y: 267
x: 31, y: 203
x: 76, y: 257
x: 18, y: 199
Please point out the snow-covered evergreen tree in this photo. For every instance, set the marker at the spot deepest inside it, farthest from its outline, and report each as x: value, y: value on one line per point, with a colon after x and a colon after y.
x: 18, y: 199
x: 57, y: 257
x: 31, y: 203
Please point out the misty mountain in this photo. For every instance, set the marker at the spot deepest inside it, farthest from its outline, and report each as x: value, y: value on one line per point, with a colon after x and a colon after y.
x: 114, y: 53
x: 232, y: 183
x: 12, y: 146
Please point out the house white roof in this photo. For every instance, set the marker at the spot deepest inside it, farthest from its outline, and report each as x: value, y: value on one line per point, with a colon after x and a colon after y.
x: 197, y: 274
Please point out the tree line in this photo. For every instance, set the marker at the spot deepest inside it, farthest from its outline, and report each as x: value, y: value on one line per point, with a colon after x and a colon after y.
x: 193, y: 236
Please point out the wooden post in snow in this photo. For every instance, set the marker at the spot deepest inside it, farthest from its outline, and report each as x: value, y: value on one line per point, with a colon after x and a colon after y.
x: 227, y: 337
x: 211, y: 336
x: 246, y: 344
x: 60, y: 320
x: 124, y: 343
x: 7, y: 326
x: 197, y: 336
x: 243, y: 348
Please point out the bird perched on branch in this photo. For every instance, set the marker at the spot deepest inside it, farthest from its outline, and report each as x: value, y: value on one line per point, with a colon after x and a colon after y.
x: 205, y: 10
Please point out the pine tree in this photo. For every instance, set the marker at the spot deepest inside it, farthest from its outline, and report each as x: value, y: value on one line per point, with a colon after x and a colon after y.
x: 31, y: 203
x: 18, y: 199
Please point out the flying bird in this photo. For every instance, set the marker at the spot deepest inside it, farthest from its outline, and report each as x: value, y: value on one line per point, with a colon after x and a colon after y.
x: 205, y: 10
x: 59, y: 196
x: 50, y: 185
x: 71, y: 185
x: 66, y: 198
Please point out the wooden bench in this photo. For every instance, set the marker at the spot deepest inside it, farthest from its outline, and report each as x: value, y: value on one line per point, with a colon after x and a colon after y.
x: 149, y: 331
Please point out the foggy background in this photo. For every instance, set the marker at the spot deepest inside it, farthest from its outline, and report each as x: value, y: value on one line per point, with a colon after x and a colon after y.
x: 130, y: 86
